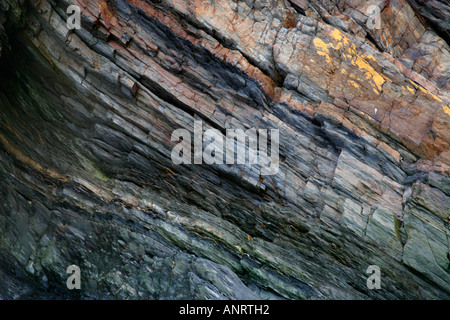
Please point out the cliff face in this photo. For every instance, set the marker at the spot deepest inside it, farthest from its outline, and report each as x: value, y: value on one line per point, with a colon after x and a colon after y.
x: 86, y: 175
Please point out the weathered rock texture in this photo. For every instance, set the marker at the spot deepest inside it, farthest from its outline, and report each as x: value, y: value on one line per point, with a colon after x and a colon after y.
x: 86, y: 176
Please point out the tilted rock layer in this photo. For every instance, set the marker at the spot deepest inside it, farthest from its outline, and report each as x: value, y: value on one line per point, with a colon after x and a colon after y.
x: 86, y: 175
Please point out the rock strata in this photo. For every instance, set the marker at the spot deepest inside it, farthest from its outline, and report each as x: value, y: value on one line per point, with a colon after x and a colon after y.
x: 86, y: 176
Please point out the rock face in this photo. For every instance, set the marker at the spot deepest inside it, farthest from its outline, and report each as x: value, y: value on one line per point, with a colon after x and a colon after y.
x: 86, y: 175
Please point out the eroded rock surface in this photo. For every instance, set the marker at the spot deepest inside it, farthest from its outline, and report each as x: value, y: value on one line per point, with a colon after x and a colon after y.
x: 86, y: 175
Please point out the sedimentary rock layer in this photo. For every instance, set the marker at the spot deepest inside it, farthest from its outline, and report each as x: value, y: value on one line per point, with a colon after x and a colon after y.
x: 86, y: 175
